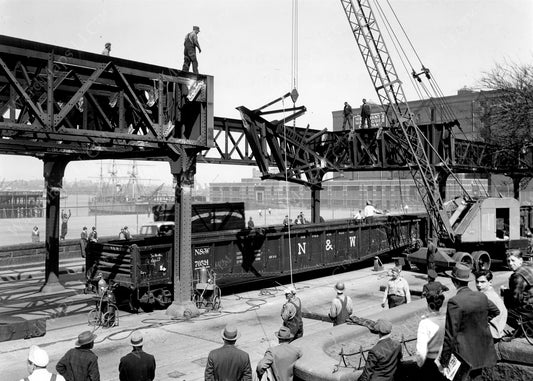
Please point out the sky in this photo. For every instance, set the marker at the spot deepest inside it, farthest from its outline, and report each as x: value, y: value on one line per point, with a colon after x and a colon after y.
x: 247, y: 47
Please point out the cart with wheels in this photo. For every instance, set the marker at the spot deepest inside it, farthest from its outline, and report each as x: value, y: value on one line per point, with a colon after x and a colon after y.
x: 206, y: 293
x: 105, y: 313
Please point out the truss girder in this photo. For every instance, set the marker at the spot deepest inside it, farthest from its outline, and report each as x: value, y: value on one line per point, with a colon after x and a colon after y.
x: 78, y: 102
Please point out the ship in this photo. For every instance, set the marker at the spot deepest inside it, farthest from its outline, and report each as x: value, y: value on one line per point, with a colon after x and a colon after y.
x: 125, y: 195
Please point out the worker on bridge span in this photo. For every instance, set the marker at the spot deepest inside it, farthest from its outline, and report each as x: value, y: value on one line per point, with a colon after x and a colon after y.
x: 189, y: 50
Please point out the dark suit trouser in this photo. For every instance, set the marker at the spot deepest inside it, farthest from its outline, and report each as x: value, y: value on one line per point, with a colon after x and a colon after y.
x: 430, y: 371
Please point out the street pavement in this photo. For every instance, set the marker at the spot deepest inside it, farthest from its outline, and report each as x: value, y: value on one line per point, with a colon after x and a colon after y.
x: 181, y: 346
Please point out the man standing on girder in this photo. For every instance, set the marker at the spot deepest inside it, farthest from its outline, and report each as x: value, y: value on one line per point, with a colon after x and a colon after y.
x: 366, y: 111
x: 348, y: 116
x: 189, y: 51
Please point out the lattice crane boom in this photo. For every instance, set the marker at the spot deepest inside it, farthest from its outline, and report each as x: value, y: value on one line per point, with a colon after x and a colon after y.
x: 391, y: 96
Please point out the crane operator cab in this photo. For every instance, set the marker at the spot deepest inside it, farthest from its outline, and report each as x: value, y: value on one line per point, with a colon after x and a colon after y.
x: 483, y: 229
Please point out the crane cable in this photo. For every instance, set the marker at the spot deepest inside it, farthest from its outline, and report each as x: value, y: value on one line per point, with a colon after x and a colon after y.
x: 294, y: 84
x: 436, y: 92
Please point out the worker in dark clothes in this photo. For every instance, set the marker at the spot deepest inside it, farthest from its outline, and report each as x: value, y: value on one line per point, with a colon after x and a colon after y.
x: 80, y: 363
x: 189, y: 50
x: 84, y: 238
x: 137, y: 365
x: 228, y: 362
x: 430, y: 256
x: 348, y: 116
x: 365, y: 114
x: 384, y: 357
x: 432, y: 286
x: 467, y: 335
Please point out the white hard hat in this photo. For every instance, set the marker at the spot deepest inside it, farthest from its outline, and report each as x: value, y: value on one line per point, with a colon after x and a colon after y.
x: 102, y: 283
x: 38, y: 356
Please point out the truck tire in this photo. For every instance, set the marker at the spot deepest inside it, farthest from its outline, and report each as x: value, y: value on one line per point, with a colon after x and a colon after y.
x: 464, y: 258
x: 481, y: 260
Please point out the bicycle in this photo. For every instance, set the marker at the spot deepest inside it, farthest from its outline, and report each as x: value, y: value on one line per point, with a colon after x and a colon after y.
x: 105, y: 314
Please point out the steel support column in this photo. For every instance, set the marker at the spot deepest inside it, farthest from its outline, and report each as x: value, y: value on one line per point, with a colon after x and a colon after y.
x: 315, y: 205
x: 54, y: 169
x: 183, y: 170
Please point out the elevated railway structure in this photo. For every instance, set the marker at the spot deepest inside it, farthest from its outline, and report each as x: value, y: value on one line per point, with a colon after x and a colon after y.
x: 61, y: 105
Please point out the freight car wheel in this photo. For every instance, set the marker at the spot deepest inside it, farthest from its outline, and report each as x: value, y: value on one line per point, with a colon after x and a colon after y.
x: 481, y: 260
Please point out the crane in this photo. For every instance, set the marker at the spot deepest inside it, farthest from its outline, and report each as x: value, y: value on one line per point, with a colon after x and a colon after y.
x: 475, y: 221
x: 391, y: 95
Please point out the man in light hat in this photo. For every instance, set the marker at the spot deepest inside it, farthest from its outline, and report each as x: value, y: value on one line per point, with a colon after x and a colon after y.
x: 37, y: 362
x: 228, y: 362
x: 341, y: 307
x: 80, y: 363
x: 107, y: 49
x: 137, y: 365
x: 384, y: 357
x: 397, y: 291
x: 189, y: 50
x: 467, y: 333
x: 291, y: 313
x: 279, y: 360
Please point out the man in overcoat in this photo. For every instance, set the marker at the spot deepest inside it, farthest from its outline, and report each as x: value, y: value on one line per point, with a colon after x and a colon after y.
x: 228, y: 362
x: 137, y: 365
x: 467, y: 333
x: 383, y: 359
x: 279, y: 360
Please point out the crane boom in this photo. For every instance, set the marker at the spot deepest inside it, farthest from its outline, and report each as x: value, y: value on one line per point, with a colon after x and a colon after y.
x: 391, y: 96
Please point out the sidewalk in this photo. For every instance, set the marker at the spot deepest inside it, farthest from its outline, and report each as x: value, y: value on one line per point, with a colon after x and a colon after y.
x: 181, y: 346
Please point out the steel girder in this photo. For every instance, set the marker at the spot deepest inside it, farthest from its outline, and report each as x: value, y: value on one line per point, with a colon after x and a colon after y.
x: 56, y: 101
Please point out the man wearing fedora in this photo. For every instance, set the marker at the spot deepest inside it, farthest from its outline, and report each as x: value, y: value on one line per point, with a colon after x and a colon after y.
x: 467, y: 333
x: 80, y: 363
x: 383, y: 359
x: 37, y: 361
x: 341, y: 307
x: 137, y: 365
x: 189, y: 50
x: 278, y: 362
x: 228, y: 362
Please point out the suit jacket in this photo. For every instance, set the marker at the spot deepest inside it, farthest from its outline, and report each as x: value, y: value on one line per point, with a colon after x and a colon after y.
x: 137, y: 366
x: 382, y: 361
x: 467, y: 332
x: 228, y: 363
x: 280, y: 359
